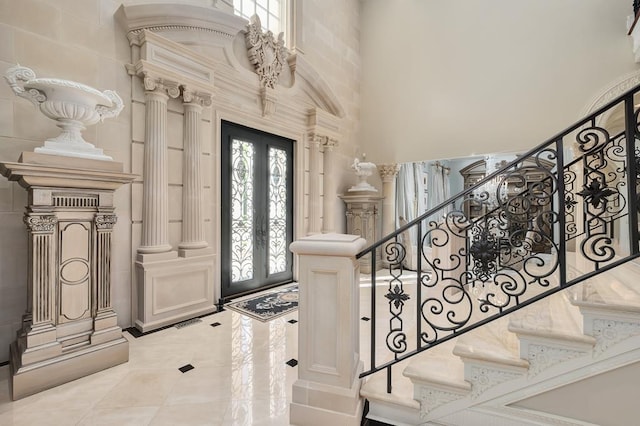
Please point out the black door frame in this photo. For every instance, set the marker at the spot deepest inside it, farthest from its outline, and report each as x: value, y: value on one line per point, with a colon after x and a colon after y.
x: 263, y: 141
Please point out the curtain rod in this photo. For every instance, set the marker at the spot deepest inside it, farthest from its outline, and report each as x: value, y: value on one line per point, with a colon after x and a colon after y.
x: 439, y: 164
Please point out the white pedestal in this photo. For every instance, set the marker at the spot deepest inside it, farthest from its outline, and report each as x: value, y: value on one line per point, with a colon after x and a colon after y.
x: 363, y: 219
x: 328, y: 387
x: 69, y: 329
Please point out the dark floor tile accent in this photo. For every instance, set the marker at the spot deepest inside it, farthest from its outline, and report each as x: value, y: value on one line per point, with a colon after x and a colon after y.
x: 137, y: 333
x: 134, y: 332
x: 215, y: 324
x: 292, y: 321
x: 186, y: 368
x: 365, y: 319
x: 292, y: 362
x: 187, y: 322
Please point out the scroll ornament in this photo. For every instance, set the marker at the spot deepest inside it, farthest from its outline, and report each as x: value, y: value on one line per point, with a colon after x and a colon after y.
x: 266, y: 54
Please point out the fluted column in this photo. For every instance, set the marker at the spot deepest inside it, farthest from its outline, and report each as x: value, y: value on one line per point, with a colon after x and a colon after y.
x: 42, y: 274
x: 192, y: 214
x: 155, y: 193
x: 388, y: 173
x: 315, y: 221
x: 330, y: 189
x: 104, y: 228
x: 105, y: 322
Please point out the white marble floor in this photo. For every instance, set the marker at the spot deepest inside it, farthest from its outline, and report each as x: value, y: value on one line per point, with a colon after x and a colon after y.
x: 240, y: 377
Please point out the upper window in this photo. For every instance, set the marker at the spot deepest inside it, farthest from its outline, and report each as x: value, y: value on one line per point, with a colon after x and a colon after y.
x: 272, y: 13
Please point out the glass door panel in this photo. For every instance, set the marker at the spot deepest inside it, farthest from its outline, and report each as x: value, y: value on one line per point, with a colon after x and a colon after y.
x: 256, y: 209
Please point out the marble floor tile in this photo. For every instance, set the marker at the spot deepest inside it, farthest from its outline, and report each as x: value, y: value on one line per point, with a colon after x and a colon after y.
x: 141, y: 388
x: 206, y: 414
x: 240, y: 377
x: 123, y: 416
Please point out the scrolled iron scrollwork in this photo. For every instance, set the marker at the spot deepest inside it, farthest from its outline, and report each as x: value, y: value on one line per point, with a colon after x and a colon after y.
x: 512, y: 238
x: 592, y: 139
x: 395, y: 253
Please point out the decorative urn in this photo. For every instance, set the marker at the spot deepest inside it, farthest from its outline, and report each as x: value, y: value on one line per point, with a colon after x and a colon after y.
x: 363, y: 170
x: 72, y: 105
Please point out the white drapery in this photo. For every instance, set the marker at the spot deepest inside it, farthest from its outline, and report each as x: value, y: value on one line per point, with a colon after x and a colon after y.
x: 440, y: 188
x: 410, y: 191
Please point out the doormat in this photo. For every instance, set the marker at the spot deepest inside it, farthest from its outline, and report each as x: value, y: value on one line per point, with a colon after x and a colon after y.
x: 268, y: 306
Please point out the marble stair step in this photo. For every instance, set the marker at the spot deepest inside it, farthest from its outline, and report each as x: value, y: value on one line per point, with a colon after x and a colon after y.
x: 438, y: 366
x: 550, y: 332
x: 491, y: 356
x: 610, y: 307
x: 437, y: 377
x: 491, y: 343
x: 553, y: 317
x: 375, y: 388
x: 398, y: 407
x: 628, y: 278
x: 605, y: 292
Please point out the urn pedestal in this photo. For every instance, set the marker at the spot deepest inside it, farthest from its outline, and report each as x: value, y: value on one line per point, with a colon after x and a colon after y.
x: 69, y: 329
x: 363, y: 219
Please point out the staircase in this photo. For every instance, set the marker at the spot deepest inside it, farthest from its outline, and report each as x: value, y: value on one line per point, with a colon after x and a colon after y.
x: 529, y: 313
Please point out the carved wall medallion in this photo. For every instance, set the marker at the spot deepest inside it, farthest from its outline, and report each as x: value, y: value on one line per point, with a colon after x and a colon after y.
x: 266, y: 54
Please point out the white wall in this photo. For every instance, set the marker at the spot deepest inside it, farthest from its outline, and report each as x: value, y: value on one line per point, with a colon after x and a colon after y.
x: 445, y: 79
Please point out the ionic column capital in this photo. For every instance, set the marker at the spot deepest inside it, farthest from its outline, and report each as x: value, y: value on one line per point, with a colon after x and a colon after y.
x: 329, y: 144
x: 316, y: 140
x: 388, y: 172
x: 160, y: 85
x: 195, y: 97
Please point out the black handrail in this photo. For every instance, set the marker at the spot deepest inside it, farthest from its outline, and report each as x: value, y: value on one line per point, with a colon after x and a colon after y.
x: 502, y: 170
x: 536, y: 210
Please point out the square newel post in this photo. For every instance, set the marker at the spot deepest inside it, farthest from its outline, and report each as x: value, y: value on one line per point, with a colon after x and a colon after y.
x: 327, y: 391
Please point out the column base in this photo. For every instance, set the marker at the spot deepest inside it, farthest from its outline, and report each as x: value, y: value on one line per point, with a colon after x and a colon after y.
x: 173, y: 290
x: 32, y: 378
x: 155, y: 249
x: 317, y: 404
x: 193, y: 252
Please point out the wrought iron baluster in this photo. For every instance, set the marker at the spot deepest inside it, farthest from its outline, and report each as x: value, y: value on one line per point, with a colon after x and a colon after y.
x: 483, y: 268
x: 389, y: 379
x: 562, y: 241
x: 419, y: 287
x: 373, y: 309
x: 631, y: 136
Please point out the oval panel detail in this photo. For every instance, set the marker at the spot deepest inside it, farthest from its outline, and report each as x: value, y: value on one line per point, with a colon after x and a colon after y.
x: 74, y: 270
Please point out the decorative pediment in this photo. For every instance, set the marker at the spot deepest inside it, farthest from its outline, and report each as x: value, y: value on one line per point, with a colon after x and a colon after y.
x: 188, y: 44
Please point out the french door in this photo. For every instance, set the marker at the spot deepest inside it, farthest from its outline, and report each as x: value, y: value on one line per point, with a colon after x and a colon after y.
x: 257, y: 209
